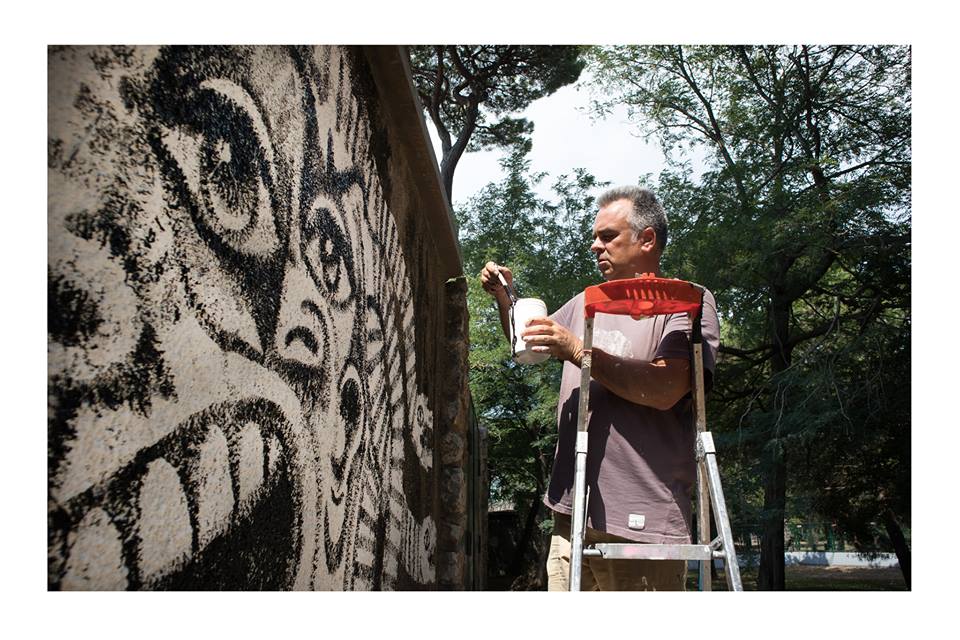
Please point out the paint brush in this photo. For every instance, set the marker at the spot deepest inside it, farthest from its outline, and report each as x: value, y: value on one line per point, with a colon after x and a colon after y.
x: 510, y: 293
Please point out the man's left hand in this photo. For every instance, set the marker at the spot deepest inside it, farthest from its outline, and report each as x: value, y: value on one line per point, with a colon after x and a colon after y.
x: 546, y: 336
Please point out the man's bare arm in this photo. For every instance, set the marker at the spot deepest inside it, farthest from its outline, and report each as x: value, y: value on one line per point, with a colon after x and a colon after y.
x: 659, y: 384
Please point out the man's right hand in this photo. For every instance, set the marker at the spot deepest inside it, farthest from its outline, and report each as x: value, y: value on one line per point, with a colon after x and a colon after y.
x: 491, y: 283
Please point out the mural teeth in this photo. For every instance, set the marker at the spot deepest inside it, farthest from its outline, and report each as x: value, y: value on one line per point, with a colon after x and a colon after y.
x: 215, y: 501
x: 164, y: 526
x: 250, y: 465
x: 273, y: 457
x: 96, y: 555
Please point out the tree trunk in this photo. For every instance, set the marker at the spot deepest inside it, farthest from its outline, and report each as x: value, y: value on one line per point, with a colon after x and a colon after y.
x: 452, y: 156
x: 771, y: 575
x: 446, y: 177
x: 516, y: 566
x: 895, y: 534
x: 540, y: 582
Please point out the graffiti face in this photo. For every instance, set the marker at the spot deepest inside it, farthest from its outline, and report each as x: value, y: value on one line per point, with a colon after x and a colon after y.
x: 261, y: 302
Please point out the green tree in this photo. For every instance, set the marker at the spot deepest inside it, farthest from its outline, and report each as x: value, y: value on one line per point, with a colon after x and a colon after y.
x: 546, y: 244
x: 468, y: 91
x: 801, y: 215
x: 856, y: 470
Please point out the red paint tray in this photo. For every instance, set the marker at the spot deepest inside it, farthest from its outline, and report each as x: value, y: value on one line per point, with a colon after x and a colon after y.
x: 642, y: 297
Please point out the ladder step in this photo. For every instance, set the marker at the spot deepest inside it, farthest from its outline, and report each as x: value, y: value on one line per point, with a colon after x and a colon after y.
x: 628, y: 551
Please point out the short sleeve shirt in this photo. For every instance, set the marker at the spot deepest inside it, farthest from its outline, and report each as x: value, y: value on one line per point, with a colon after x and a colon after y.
x: 640, y: 461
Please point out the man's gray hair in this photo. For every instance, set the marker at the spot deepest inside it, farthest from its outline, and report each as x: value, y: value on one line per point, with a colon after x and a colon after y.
x: 646, y: 211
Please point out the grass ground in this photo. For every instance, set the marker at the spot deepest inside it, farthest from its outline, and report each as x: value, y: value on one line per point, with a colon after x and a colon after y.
x: 814, y: 578
x: 798, y: 578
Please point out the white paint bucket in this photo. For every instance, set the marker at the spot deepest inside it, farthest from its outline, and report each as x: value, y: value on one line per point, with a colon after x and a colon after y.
x: 523, y: 310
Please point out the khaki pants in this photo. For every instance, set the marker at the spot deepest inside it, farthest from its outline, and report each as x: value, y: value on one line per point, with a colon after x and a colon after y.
x: 609, y: 575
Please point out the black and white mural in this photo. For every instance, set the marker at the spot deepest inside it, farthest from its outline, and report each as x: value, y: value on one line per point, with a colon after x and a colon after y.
x: 234, y: 395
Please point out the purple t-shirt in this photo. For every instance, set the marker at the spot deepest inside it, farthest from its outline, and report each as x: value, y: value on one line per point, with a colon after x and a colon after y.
x: 640, y: 461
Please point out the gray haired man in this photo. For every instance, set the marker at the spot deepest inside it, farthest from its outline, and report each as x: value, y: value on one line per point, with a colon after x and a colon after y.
x: 641, y: 468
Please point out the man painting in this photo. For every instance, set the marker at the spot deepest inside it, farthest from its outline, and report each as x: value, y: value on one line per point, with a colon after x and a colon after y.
x: 641, y: 466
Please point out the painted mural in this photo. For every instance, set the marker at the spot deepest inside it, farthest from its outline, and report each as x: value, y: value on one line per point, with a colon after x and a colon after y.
x: 234, y: 397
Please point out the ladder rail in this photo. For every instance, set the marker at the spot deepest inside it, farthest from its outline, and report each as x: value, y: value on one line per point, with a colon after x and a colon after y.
x: 700, y: 422
x: 731, y: 568
x: 578, y: 521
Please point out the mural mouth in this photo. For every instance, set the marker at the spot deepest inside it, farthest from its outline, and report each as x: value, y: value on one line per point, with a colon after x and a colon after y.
x: 215, y: 504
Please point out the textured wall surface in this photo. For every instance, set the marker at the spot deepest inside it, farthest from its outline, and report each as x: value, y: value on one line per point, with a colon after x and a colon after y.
x: 244, y: 313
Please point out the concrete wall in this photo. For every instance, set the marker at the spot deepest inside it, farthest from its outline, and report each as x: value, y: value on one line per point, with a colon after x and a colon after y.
x: 249, y: 337
x: 874, y: 560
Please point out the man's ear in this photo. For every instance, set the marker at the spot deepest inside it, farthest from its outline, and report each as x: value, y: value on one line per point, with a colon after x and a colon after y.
x: 648, y: 239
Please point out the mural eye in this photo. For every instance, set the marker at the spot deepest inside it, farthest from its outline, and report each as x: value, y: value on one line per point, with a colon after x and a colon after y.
x: 350, y: 404
x: 328, y: 257
x: 234, y: 172
x: 230, y: 179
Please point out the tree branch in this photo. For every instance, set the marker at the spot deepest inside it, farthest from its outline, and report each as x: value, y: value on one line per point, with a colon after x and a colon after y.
x: 747, y: 354
x: 718, y: 136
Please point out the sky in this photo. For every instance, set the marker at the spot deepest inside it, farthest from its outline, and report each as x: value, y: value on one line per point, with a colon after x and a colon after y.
x: 567, y: 136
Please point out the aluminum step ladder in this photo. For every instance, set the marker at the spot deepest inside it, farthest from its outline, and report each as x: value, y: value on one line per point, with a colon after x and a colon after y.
x: 643, y: 297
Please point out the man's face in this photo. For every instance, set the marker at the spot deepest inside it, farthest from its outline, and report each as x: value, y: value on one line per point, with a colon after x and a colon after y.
x: 619, y: 253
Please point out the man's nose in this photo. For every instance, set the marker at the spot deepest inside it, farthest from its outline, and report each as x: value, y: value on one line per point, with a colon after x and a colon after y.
x: 597, y: 246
